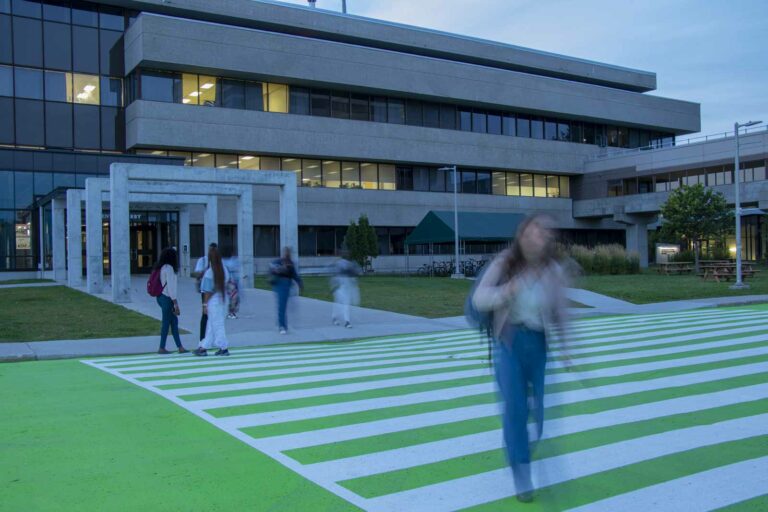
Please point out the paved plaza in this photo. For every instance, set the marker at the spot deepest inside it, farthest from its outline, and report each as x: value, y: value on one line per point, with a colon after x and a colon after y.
x: 658, y: 412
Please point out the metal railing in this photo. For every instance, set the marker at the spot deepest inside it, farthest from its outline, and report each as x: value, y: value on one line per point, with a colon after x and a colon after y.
x: 610, y: 152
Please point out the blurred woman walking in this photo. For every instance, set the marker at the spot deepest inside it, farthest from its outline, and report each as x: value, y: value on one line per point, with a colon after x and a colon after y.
x: 213, y: 288
x: 168, y: 266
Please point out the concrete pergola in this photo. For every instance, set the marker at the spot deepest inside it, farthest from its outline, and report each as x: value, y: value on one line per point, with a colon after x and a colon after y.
x: 167, y: 184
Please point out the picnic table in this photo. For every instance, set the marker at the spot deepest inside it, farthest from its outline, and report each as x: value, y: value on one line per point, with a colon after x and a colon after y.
x: 677, y: 267
x: 725, y: 271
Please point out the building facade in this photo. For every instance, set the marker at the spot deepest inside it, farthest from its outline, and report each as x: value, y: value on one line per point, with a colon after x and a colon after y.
x: 364, y: 112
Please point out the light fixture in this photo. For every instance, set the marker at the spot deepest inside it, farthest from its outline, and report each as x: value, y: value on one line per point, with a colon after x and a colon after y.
x: 204, y: 155
x: 195, y: 94
x: 186, y: 100
x: 158, y: 152
x: 233, y: 162
x: 328, y: 162
x: 89, y: 88
x: 311, y: 167
x: 288, y: 159
x: 83, y: 96
x: 206, y: 85
x: 247, y: 157
x: 222, y: 167
x: 732, y: 249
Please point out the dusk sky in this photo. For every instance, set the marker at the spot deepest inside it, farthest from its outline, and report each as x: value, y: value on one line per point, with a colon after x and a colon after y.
x: 713, y: 52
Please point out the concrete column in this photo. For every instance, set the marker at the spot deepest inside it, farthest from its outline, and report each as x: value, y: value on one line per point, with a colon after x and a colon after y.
x: 289, y: 218
x: 94, y: 271
x: 41, y: 242
x: 119, y: 235
x: 245, y: 235
x: 74, y: 238
x: 58, y: 237
x: 211, y: 222
x: 184, y: 241
x: 637, y: 241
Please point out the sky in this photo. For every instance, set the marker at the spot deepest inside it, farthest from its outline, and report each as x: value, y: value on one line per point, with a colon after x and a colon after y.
x: 712, y: 52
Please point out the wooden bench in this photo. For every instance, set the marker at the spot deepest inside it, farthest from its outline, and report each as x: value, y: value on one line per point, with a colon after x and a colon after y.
x: 675, y: 268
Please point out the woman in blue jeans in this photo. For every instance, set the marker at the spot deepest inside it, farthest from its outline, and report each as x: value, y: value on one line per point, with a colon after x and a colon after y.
x: 283, y: 273
x: 168, y: 264
x: 524, y: 288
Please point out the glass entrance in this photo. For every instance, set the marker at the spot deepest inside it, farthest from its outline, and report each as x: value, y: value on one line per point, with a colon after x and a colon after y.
x: 143, y: 247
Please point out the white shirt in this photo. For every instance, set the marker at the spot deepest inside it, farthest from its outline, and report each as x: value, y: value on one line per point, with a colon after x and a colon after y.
x: 201, y: 265
x: 169, y: 280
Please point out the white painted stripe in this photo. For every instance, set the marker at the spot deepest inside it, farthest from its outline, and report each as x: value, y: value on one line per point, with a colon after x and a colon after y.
x: 681, y: 316
x: 652, y: 317
x: 494, y: 485
x: 436, y: 451
x: 566, y: 397
x: 700, y: 492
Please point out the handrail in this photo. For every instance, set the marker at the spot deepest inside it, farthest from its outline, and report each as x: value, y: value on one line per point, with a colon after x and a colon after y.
x: 613, y: 152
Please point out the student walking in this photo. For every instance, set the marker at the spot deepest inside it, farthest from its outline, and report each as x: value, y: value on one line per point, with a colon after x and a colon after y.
x: 232, y: 264
x: 345, y: 290
x: 524, y: 289
x: 200, y: 267
x: 213, y: 288
x: 168, y: 266
x: 283, y: 274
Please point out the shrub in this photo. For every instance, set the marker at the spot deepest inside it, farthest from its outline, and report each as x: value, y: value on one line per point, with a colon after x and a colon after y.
x: 605, y: 259
x: 684, y: 255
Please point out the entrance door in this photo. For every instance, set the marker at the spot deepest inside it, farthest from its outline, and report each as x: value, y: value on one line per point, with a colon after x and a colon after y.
x: 143, y: 252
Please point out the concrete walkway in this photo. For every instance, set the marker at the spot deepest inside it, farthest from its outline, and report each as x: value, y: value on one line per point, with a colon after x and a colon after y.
x: 309, y: 321
x: 27, y: 285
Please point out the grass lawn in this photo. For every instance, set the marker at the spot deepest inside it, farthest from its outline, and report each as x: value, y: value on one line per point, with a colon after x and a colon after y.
x: 652, y: 287
x: 76, y: 438
x: 61, y: 313
x: 430, y: 297
x: 25, y: 281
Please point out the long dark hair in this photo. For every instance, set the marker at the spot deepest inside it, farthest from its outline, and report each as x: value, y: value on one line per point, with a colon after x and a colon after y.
x: 514, y: 261
x: 214, y: 261
x: 168, y: 256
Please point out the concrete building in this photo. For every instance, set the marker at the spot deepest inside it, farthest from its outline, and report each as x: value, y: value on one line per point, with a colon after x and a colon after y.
x: 364, y: 112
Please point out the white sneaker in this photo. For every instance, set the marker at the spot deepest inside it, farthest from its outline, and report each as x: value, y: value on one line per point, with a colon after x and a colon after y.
x: 348, y: 325
x: 283, y: 331
x: 335, y: 322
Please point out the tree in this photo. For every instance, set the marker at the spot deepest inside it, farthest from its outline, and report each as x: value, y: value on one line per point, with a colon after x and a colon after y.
x: 361, y: 242
x: 695, y: 213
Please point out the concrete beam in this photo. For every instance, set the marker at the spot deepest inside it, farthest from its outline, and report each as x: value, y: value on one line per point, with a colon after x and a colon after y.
x: 119, y: 233
x: 184, y: 241
x: 75, y: 198
x: 245, y: 236
x: 58, y: 238
x: 94, y: 243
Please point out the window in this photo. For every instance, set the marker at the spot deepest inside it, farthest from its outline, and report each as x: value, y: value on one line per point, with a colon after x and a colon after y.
x: 299, y: 101
x: 190, y: 94
x: 203, y: 160
x: 386, y: 177
x: 526, y: 185
x: 58, y: 125
x: 613, y: 136
x: 436, y: 180
x: 499, y: 184
x: 58, y: 46
x: 563, y: 132
x: 270, y: 163
x: 448, y: 117
x: 254, y: 97
x: 494, y: 124
x: 565, y: 186
x: 615, y: 188
x: 27, y: 42
x: 395, y: 111
x: 414, y: 113
x: 6, y: 121
x: 293, y: 164
x: 26, y: 8
x: 537, y: 129
x: 29, y: 83
x: 421, y: 179
x: 479, y: 122
x: 111, y: 91
x: 523, y: 126
x: 634, y: 138
x: 85, y: 14
x: 379, y: 109
x: 58, y: 86
x: 590, y: 136
x: 156, y: 86
x: 207, y: 91
x: 577, y: 133
x: 250, y: 162
x: 111, y: 19
x: 6, y: 81
x: 23, y: 189
x: 513, y: 184
x: 483, y: 182
x: 404, y: 178
x: 331, y: 173
x: 278, y: 98
x: 6, y: 40
x: 623, y: 136
x: 350, y: 175
x: 321, y: 102
x: 340, y: 105
x: 112, y: 129
x: 111, y: 52
x: 85, y: 89
x: 359, y: 107
x: 550, y: 130
x: 508, y: 125
x: 468, y: 182
x: 265, y: 241
x: 553, y: 186
x: 182, y: 154
x: 312, y: 175
x: 465, y: 120
x: 540, y: 185
x: 431, y: 115
x: 29, y: 123
x: 232, y: 93
x: 6, y: 190
x: 225, y: 161
x: 87, y: 126
x: 85, y: 49
x: 369, y: 175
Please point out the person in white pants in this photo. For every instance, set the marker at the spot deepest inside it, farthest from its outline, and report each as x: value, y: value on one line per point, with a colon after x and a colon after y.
x: 345, y: 290
x: 213, y: 287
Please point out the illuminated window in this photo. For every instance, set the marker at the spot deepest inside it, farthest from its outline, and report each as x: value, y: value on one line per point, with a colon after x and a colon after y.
x: 331, y: 173
x: 513, y: 184
x: 203, y: 160
x: 386, y: 177
x: 565, y: 186
x: 190, y: 94
x: 226, y: 161
x: 526, y: 185
x: 293, y: 164
x: 312, y: 175
x: 276, y: 98
x: 85, y: 89
x: 350, y: 175
x: 270, y: 163
x: 369, y: 175
x: 540, y: 185
x: 553, y: 186
x: 499, y: 184
x: 207, y: 90
x: 250, y: 162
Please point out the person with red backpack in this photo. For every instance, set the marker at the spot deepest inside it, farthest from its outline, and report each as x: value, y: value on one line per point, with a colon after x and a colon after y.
x: 163, y: 285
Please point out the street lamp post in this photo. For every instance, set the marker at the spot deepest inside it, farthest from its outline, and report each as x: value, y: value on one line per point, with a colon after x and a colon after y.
x: 457, y: 273
x: 739, y: 284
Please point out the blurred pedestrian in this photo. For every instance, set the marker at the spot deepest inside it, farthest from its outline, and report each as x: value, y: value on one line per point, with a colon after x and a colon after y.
x: 200, y: 267
x: 283, y: 274
x: 232, y: 263
x: 213, y: 288
x: 524, y: 289
x: 167, y: 267
x: 345, y: 290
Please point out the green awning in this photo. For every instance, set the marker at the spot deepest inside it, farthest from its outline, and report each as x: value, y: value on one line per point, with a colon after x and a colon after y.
x: 437, y: 227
